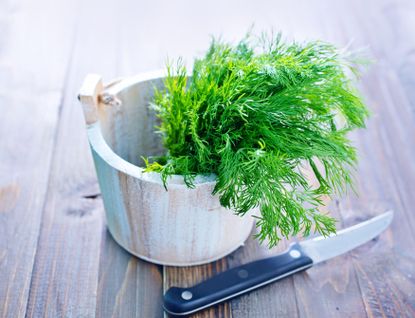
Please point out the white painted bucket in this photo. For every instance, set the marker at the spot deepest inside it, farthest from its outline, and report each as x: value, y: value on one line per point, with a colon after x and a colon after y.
x: 177, y: 227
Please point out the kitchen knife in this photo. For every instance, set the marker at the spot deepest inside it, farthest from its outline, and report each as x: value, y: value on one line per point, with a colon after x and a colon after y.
x: 298, y: 257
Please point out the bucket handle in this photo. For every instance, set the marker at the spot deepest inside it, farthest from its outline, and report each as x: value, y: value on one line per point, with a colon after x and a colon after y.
x: 92, y: 93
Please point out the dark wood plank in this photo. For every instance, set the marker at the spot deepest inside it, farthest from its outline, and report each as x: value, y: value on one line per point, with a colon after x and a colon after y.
x: 31, y: 81
x: 95, y: 276
x: 380, y: 167
x: 127, y: 286
x: 386, y: 277
x: 189, y: 276
x: 330, y: 287
x: 66, y: 274
x: 275, y: 300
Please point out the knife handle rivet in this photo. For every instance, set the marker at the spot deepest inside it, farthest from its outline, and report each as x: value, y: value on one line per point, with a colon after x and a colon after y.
x: 295, y: 254
x: 243, y: 273
x: 186, y: 295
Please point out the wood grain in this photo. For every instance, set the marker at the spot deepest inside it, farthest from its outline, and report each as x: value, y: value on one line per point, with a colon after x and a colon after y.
x: 188, y: 276
x: 387, y: 165
x: 127, y: 286
x: 51, y: 213
x: 31, y: 87
x: 66, y: 270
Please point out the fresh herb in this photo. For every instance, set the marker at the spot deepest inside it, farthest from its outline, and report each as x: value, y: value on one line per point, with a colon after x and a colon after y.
x: 254, y: 113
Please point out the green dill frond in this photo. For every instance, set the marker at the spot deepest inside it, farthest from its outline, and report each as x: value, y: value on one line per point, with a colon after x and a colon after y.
x: 253, y: 113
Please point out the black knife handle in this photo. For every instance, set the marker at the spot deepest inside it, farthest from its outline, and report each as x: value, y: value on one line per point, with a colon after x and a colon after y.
x: 236, y: 281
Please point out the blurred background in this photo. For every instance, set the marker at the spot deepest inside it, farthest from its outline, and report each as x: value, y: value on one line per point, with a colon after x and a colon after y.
x: 56, y: 257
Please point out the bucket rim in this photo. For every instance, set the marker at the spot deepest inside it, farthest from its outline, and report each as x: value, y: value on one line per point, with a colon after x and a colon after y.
x: 107, y: 154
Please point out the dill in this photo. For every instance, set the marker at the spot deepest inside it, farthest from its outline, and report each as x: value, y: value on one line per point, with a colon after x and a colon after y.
x: 254, y: 113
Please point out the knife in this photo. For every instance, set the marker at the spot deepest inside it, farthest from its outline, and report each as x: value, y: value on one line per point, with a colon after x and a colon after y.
x: 299, y: 256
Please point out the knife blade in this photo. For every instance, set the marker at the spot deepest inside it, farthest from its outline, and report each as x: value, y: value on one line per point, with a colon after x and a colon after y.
x: 298, y: 257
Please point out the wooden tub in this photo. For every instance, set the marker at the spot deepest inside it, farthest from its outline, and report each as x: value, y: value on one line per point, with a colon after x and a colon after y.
x: 177, y: 227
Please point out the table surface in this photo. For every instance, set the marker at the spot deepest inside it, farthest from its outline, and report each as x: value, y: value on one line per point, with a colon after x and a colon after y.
x: 56, y: 256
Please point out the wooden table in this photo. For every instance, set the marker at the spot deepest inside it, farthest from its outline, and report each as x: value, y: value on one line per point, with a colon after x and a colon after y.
x: 56, y: 256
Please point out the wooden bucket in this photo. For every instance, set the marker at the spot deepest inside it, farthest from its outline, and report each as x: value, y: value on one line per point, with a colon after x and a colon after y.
x: 177, y: 227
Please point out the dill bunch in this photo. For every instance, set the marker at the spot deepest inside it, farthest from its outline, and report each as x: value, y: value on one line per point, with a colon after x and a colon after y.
x: 253, y: 114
